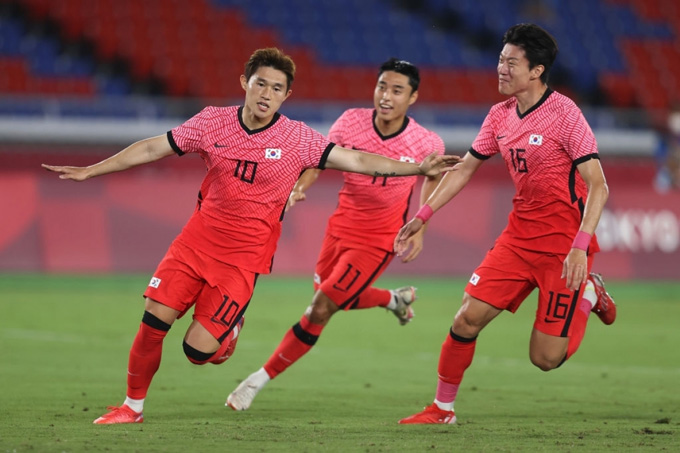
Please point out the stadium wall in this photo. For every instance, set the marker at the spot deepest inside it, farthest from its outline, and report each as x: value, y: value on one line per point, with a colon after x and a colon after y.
x: 125, y: 222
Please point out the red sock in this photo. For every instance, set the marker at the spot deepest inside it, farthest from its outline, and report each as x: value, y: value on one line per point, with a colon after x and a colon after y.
x: 220, y: 356
x: 578, y: 326
x: 372, y: 297
x: 227, y: 348
x: 145, y: 355
x: 455, y: 357
x: 297, y: 341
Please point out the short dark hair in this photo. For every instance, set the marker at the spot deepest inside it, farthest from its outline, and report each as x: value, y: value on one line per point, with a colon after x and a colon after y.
x: 539, y: 46
x: 271, y: 57
x: 402, y: 67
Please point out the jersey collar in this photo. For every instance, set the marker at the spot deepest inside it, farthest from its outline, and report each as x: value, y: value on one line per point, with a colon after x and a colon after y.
x: 547, y: 93
x: 387, y: 137
x: 275, y: 118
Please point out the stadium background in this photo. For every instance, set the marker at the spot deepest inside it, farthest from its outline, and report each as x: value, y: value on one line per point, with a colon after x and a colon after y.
x: 80, y: 79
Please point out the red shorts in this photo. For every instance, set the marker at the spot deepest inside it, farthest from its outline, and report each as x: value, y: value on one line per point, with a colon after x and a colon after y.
x: 343, y: 270
x: 509, y: 274
x: 220, y: 292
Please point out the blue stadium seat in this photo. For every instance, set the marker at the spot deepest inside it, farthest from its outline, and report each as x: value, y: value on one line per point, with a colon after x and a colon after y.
x: 11, y: 32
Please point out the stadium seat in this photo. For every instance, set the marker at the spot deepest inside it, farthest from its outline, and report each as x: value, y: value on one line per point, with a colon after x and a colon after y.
x: 197, y: 48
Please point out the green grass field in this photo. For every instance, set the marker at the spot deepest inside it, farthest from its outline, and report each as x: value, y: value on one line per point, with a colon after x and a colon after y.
x: 64, y: 342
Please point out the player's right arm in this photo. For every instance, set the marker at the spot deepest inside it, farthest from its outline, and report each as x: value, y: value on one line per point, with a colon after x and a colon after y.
x: 307, y: 178
x: 449, y: 186
x: 139, y: 153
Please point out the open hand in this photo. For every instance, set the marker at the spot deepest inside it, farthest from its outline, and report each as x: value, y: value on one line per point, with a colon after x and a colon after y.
x: 435, y: 164
x: 401, y: 241
x: 74, y: 173
x: 575, y: 269
x: 294, y: 197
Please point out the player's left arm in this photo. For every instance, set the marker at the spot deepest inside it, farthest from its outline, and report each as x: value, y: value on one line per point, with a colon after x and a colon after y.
x: 575, y: 267
x: 299, y: 192
x: 354, y: 161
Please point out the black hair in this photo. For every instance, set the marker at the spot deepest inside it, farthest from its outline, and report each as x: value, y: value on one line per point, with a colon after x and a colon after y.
x: 271, y: 57
x: 539, y: 46
x: 402, y: 67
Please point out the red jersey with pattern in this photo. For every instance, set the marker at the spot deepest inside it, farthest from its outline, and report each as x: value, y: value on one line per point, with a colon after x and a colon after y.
x: 541, y: 149
x: 372, y: 209
x: 250, y: 174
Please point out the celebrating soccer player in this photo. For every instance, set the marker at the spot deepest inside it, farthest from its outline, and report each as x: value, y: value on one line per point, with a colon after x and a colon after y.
x: 358, y: 245
x: 549, y: 242
x: 254, y: 156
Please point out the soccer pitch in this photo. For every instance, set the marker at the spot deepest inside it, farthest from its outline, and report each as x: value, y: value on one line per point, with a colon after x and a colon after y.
x: 65, y: 341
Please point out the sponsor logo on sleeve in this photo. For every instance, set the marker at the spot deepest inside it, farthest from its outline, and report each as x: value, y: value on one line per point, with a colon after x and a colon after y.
x: 272, y: 153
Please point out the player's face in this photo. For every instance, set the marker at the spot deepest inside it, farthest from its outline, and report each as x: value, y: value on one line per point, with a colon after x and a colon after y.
x: 265, y: 92
x: 514, y: 75
x: 393, y: 96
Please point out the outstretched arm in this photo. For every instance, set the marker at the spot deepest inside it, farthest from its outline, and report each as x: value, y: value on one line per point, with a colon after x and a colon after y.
x: 575, y: 267
x: 141, y: 152
x: 307, y: 178
x: 449, y: 186
x: 376, y: 165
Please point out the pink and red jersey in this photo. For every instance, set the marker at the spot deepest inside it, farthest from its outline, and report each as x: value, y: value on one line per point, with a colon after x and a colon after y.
x: 541, y: 149
x: 372, y: 209
x: 250, y: 174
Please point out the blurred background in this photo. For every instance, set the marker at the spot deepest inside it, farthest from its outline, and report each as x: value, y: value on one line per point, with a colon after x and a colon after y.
x: 80, y: 79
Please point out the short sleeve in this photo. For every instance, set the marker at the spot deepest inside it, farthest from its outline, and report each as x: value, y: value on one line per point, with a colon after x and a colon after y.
x: 577, y: 136
x: 314, y: 147
x: 188, y: 136
x: 437, y: 144
x: 485, y: 144
x: 335, y: 133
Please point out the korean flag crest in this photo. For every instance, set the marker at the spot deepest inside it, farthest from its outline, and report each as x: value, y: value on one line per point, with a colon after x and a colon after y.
x: 272, y: 153
x: 535, y: 139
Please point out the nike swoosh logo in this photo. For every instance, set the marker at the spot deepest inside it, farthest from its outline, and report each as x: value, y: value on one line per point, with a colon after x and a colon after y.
x: 498, y: 137
x: 217, y: 145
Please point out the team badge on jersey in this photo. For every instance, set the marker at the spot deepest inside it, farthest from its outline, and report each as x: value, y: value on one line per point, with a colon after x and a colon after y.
x: 407, y: 159
x: 474, y: 279
x: 155, y: 282
x: 272, y: 153
x: 535, y: 139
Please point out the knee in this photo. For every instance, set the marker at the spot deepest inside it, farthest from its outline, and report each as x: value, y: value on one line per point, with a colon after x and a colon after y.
x: 466, y: 323
x: 545, y: 362
x: 321, y: 310
x: 194, y: 355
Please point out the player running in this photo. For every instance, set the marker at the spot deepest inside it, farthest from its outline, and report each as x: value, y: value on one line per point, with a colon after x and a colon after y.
x: 358, y: 245
x: 549, y: 242
x: 253, y: 156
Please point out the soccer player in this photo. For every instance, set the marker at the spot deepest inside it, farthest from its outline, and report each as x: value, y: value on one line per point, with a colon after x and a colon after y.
x: 358, y: 245
x: 549, y: 242
x: 253, y: 155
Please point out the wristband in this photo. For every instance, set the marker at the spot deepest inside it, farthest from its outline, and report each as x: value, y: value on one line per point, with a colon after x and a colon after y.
x: 581, y: 241
x: 424, y: 213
